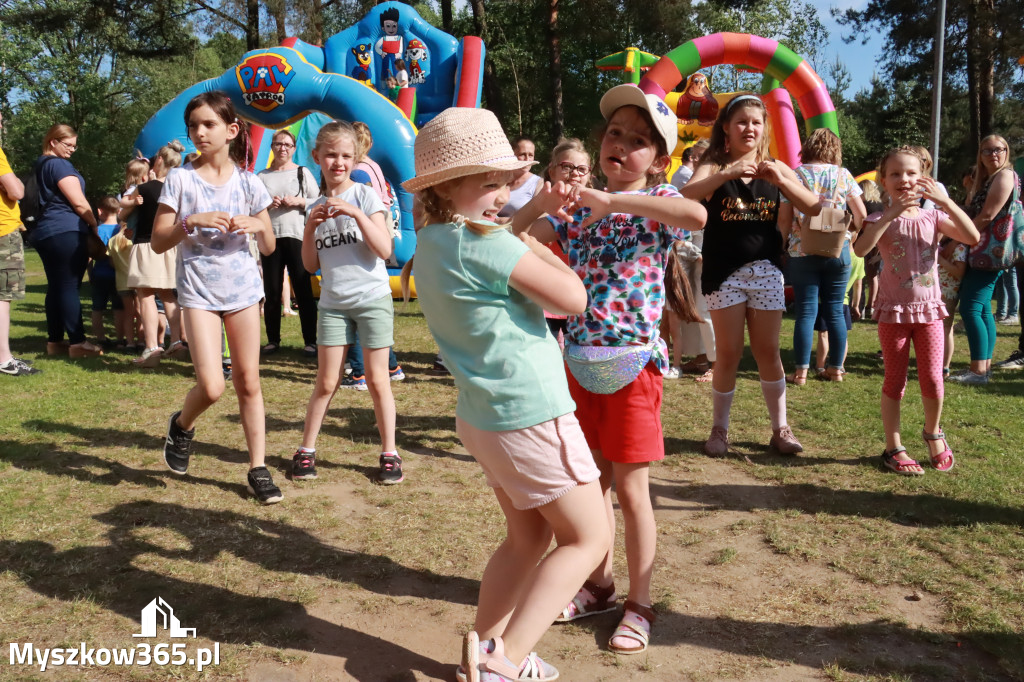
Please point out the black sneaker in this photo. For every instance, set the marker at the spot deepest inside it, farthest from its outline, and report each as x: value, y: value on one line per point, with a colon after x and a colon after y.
x: 1015, y: 361
x: 390, y: 469
x: 303, y: 465
x: 262, y: 486
x: 226, y: 366
x: 17, y: 368
x: 178, y: 446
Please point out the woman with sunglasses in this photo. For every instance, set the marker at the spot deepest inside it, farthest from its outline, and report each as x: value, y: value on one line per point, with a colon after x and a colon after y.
x: 61, y: 239
x: 988, y: 198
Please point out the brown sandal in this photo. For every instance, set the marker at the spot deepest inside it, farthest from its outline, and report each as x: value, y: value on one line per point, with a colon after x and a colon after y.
x: 591, y: 600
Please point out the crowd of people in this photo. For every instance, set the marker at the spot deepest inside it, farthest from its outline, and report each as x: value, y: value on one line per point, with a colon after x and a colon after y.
x: 551, y: 297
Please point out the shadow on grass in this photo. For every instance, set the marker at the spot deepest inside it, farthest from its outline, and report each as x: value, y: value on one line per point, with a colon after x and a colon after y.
x: 877, y: 648
x: 217, y: 613
x: 906, y: 509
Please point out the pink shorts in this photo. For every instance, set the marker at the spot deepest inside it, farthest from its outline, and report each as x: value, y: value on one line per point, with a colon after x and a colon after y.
x: 626, y: 425
x: 535, y: 465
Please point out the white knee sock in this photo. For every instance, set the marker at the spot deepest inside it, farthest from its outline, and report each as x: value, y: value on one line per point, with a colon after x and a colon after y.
x: 722, y: 405
x: 775, y: 398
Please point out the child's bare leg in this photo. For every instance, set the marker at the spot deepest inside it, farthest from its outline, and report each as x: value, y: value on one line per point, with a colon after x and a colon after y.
x: 150, y: 318
x: 330, y: 360
x: 729, y: 324
x: 603, y: 575
x: 206, y: 355
x: 633, y: 492
x: 242, y: 329
x: 581, y: 540
x: 379, y: 382
x: 511, y: 568
x: 765, y: 326
x: 821, y: 354
x: 172, y: 311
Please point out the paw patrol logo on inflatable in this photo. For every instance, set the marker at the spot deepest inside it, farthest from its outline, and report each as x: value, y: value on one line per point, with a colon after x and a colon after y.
x: 263, y: 79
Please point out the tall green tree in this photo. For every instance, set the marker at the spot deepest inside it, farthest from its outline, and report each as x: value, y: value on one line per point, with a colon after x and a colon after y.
x: 983, y: 41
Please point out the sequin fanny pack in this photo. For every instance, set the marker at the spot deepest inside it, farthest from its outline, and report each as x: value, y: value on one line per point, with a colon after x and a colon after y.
x: 606, y: 369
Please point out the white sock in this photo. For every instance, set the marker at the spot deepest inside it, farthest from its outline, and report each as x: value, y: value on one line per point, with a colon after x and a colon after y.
x: 721, y: 405
x: 775, y: 398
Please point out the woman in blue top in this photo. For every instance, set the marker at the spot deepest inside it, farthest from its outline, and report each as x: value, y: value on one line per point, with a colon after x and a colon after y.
x: 60, y: 237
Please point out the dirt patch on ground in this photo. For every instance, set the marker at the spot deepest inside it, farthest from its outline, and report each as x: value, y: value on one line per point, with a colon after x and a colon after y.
x: 732, y: 608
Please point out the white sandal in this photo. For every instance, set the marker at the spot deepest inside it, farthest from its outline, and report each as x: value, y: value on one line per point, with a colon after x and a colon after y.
x: 636, y: 623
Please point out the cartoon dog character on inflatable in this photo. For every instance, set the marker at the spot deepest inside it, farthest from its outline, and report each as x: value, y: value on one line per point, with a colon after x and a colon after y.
x: 364, y: 57
x: 415, y: 56
x: 697, y: 103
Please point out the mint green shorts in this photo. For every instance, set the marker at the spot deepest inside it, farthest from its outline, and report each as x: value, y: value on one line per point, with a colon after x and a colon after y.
x: 375, y: 322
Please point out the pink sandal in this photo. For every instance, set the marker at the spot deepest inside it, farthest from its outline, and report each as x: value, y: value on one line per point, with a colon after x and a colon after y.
x: 635, y: 625
x: 943, y: 461
x: 496, y: 667
x: 591, y: 600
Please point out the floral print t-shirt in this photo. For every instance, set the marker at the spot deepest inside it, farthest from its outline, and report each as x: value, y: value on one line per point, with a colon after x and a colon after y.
x: 824, y: 179
x: 621, y: 260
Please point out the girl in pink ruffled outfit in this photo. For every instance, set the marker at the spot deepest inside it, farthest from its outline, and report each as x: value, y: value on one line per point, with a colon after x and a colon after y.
x: 909, y: 305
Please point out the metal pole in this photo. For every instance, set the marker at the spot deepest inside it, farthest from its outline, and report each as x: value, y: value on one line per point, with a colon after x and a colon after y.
x: 940, y: 43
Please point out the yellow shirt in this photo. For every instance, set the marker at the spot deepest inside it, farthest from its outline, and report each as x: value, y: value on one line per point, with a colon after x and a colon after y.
x: 10, y: 214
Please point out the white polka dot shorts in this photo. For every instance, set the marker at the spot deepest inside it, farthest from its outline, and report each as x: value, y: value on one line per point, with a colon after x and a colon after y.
x: 758, y: 284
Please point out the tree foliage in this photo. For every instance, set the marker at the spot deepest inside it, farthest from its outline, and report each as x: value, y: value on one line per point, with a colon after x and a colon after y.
x: 106, y: 66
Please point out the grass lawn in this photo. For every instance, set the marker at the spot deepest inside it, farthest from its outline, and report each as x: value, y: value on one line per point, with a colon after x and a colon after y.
x: 93, y: 526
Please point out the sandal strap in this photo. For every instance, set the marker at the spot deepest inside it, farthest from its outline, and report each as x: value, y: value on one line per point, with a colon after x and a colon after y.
x: 633, y: 631
x: 600, y: 594
x: 940, y: 435
x: 641, y: 610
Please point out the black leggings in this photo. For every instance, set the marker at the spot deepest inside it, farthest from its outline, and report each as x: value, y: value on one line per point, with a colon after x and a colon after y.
x: 288, y: 254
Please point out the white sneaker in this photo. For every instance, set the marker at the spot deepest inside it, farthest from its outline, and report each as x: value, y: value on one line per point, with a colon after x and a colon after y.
x: 672, y: 373
x: 1012, y: 320
x: 969, y: 378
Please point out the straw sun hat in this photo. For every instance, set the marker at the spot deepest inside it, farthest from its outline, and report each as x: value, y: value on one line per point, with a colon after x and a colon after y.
x: 458, y: 142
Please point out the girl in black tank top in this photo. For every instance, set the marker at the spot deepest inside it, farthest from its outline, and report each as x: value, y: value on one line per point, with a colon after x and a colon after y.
x: 742, y: 187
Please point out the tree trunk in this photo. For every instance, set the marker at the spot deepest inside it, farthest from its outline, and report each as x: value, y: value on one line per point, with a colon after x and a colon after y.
x: 316, y: 22
x: 492, y: 89
x: 558, y: 112
x: 446, y: 15
x: 252, y: 25
x: 973, y: 103
x: 276, y: 10
x: 986, y: 67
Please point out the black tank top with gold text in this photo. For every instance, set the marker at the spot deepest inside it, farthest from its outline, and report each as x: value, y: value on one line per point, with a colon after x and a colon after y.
x: 741, y: 228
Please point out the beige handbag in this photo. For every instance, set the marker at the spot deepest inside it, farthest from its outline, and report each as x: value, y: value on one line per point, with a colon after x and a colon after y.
x: 824, y: 234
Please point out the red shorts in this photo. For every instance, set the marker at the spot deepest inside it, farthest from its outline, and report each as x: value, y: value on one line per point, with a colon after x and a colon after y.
x: 626, y: 425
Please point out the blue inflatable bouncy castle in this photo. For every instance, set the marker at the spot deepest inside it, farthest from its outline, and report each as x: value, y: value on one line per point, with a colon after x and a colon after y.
x: 301, y: 86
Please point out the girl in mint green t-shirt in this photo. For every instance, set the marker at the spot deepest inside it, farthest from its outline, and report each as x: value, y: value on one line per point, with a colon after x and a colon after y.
x: 483, y: 292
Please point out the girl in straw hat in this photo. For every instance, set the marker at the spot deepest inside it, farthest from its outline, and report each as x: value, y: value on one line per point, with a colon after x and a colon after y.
x: 618, y: 242
x: 482, y: 291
